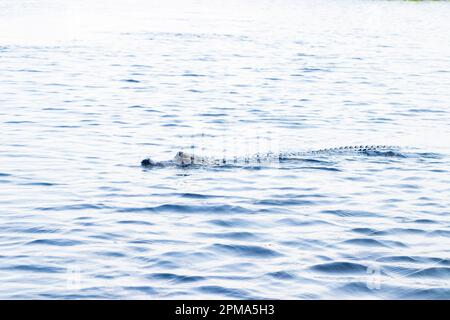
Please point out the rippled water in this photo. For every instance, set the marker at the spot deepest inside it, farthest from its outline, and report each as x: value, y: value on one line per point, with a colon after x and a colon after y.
x: 87, y: 90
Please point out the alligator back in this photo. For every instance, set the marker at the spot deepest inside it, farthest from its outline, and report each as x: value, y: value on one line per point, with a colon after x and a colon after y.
x: 367, y: 150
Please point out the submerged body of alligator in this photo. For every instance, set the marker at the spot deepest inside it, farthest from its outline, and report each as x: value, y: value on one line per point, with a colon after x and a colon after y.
x: 184, y: 159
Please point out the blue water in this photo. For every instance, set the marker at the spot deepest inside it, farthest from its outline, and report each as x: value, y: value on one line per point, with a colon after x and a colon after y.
x: 87, y: 90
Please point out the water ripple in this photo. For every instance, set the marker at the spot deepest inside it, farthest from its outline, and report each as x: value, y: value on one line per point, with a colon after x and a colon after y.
x: 243, y: 250
x: 337, y: 268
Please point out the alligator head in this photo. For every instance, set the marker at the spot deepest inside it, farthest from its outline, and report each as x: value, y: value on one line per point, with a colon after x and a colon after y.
x: 147, y: 162
x: 183, y: 158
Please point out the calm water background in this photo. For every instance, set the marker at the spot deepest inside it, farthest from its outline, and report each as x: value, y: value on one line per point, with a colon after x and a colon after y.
x: 88, y: 89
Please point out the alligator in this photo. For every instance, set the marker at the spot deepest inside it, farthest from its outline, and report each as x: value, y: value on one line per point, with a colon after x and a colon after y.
x: 184, y: 159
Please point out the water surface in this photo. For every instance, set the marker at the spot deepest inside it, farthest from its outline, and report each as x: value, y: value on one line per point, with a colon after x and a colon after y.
x: 87, y: 90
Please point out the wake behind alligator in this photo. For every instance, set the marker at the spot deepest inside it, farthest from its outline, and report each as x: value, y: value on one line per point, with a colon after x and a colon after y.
x: 185, y: 159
